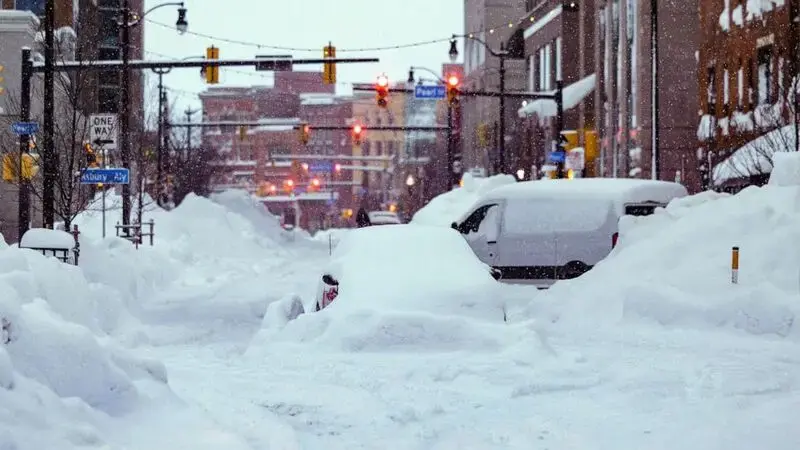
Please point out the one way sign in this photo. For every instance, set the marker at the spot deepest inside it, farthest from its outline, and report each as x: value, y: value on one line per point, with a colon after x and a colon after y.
x: 103, y: 130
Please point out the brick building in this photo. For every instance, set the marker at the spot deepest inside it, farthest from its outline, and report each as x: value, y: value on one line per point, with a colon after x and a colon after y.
x: 559, y: 45
x: 623, y: 52
x: 247, y: 158
x: 488, y: 21
x: 744, y: 76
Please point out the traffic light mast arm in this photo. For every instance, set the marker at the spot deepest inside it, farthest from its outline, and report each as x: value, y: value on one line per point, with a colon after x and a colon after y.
x: 529, y: 95
x: 77, y: 66
x: 313, y: 127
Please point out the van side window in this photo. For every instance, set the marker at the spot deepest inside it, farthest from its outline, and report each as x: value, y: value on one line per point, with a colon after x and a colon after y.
x: 642, y: 209
x: 473, y: 222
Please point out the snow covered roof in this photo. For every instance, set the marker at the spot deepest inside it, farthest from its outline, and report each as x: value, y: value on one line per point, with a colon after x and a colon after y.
x: 755, y: 157
x: 573, y: 95
x: 615, y: 189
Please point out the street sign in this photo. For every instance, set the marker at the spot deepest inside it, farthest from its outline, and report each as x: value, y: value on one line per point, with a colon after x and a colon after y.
x: 277, y: 63
x: 105, y: 176
x: 320, y: 166
x: 575, y: 160
x: 557, y: 157
x: 25, y: 128
x: 435, y: 91
x: 103, y: 130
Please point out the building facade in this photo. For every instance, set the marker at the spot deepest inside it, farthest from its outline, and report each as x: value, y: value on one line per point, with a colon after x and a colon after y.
x: 488, y: 21
x: 258, y: 159
x: 376, y: 186
x: 745, y: 77
x: 624, y: 100
x: 559, y: 46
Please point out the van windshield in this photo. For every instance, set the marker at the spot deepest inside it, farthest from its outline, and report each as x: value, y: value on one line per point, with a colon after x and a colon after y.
x: 532, y: 216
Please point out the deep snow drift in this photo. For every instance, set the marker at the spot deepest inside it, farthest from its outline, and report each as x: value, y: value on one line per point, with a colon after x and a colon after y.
x: 673, y: 269
x: 71, y: 371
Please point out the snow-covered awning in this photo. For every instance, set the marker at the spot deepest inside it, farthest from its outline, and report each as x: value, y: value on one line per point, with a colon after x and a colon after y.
x: 573, y: 95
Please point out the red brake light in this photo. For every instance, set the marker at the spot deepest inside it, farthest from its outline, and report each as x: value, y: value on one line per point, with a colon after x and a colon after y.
x: 614, y: 239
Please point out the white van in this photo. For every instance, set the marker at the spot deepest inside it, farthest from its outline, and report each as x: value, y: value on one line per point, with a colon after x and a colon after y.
x: 548, y: 230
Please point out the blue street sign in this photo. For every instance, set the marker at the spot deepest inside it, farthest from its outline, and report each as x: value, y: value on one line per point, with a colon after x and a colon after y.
x: 320, y: 166
x: 558, y: 157
x: 23, y: 128
x: 105, y: 176
x: 434, y: 91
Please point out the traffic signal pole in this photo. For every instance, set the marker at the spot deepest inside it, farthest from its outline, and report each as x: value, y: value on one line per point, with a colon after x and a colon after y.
x: 50, y: 66
x: 24, y: 203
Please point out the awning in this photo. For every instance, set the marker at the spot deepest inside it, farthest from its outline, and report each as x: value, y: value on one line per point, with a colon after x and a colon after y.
x: 573, y: 95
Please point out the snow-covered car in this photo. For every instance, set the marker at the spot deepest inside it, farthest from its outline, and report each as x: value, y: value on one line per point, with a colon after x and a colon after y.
x: 383, y: 218
x: 409, y: 268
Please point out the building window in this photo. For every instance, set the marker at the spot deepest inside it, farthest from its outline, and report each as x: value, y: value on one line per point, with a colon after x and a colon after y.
x: 531, y: 72
x: 558, y: 59
x: 107, y: 100
x: 108, y: 54
x: 781, y: 88
x: 726, y: 90
x: 245, y: 153
x: 751, y: 84
x: 765, y: 75
x: 542, y: 70
x: 711, y: 91
x: 34, y: 6
x: 740, y: 85
x: 530, y: 4
x: 548, y: 53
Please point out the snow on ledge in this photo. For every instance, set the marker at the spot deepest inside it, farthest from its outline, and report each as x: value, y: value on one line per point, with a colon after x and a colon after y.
x: 573, y: 95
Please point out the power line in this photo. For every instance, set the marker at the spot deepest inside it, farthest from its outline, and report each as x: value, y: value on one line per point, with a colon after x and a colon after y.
x: 509, y: 25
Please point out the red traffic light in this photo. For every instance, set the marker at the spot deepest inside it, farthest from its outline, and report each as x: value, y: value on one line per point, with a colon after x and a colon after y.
x: 356, y: 129
x: 315, y: 182
x: 453, y: 80
x: 337, y: 167
x: 383, y: 81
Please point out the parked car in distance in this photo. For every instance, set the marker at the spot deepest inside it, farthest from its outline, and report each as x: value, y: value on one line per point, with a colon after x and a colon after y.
x: 384, y: 218
x: 547, y: 230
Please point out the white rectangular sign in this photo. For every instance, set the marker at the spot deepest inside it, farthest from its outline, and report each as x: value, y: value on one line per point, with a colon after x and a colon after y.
x: 103, y: 130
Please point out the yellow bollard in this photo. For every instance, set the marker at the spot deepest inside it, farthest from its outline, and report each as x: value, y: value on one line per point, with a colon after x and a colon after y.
x: 735, y: 265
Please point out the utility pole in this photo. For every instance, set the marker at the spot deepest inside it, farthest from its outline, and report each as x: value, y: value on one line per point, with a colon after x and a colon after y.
x: 160, y: 145
x: 49, y: 154
x: 24, y: 204
x: 794, y: 17
x: 502, y: 159
x: 559, y: 125
x: 124, y: 124
x: 189, y: 113
x: 654, y: 81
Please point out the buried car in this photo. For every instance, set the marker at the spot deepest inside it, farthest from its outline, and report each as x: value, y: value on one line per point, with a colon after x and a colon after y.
x: 409, y: 268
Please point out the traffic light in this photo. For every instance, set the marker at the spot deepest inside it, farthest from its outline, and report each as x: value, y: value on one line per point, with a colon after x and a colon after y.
x: 305, y: 133
x: 329, y: 70
x: 314, y: 185
x: 297, y: 171
x: 337, y: 168
x: 452, y: 89
x: 211, y: 71
x: 288, y: 186
x: 263, y: 189
x: 91, y: 157
x: 382, y: 91
x: 357, y: 133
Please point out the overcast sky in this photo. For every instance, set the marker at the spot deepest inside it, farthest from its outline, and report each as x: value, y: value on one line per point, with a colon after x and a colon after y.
x: 305, y: 24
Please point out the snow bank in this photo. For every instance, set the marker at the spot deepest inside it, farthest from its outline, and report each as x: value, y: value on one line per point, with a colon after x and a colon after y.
x: 673, y: 268
x: 787, y: 169
x: 450, y: 206
x: 407, y: 287
x: 58, y: 366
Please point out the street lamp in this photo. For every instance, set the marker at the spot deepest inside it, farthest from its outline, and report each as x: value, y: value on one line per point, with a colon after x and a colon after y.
x: 410, y: 180
x: 125, y: 21
x: 521, y: 174
x: 502, y: 54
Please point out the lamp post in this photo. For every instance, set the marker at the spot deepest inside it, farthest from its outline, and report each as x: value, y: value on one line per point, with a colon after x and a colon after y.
x: 453, y: 173
x: 125, y: 21
x: 502, y: 54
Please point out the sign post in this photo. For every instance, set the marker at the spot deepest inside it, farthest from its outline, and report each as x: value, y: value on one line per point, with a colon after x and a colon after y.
x: 103, y: 177
x: 103, y: 130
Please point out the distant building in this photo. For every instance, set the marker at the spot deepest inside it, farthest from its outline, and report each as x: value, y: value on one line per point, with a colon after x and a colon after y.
x: 250, y: 158
x: 744, y: 77
x: 376, y: 185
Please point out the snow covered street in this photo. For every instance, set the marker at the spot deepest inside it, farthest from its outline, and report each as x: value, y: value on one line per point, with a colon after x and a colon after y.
x: 181, y: 345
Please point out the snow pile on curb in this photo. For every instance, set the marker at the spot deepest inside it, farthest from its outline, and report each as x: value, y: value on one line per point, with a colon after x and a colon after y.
x: 674, y: 268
